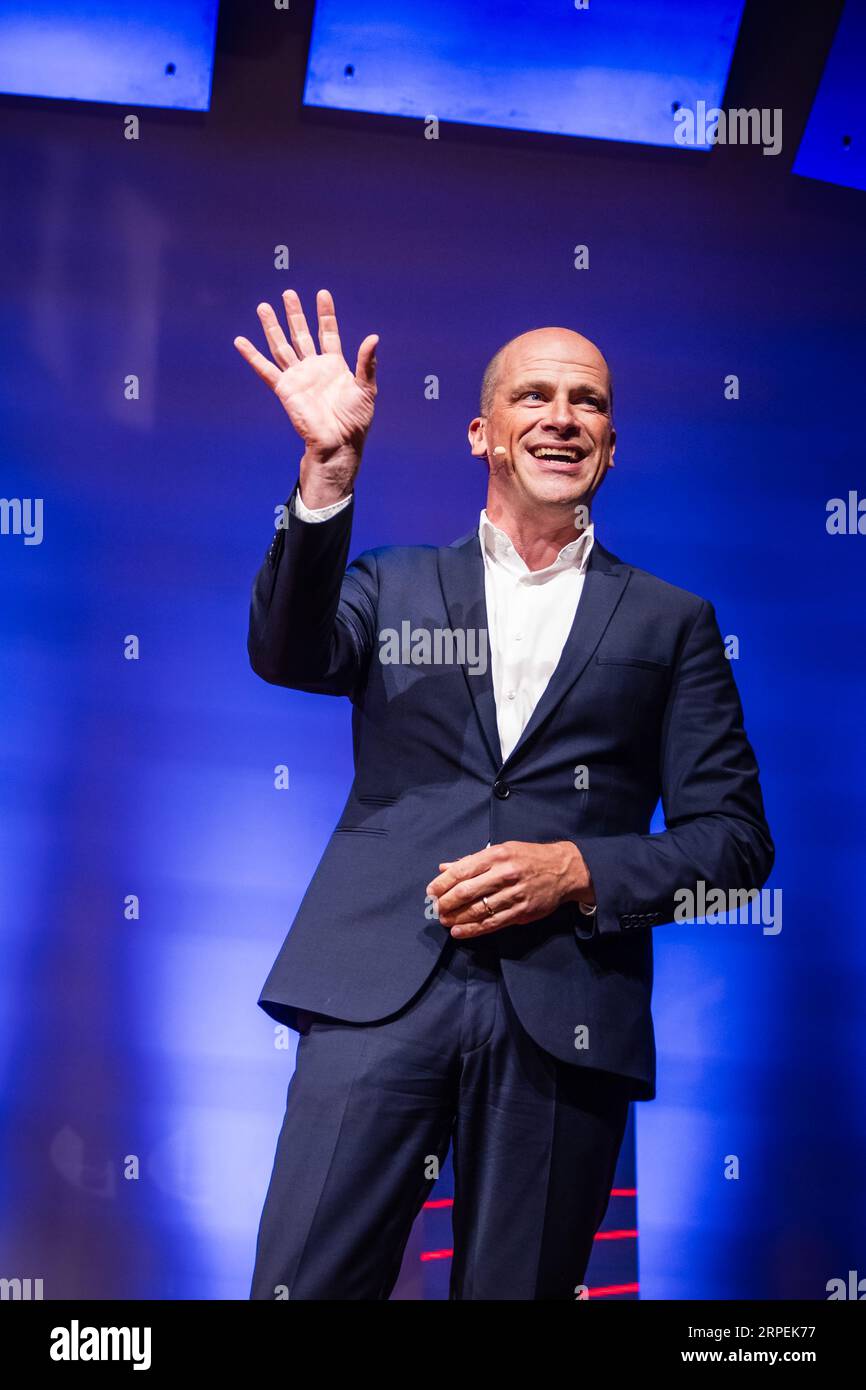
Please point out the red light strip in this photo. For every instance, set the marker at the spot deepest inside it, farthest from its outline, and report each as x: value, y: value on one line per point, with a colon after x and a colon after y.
x: 449, y: 1201
x: 601, y: 1235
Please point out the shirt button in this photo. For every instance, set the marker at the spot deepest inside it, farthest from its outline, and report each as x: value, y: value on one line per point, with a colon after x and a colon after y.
x: 512, y: 694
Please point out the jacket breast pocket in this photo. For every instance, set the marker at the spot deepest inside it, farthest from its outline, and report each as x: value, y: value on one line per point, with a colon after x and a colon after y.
x: 642, y: 662
x: 360, y: 830
x: 370, y: 814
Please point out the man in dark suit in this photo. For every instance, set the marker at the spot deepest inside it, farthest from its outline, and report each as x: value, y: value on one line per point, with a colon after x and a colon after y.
x: 472, y: 961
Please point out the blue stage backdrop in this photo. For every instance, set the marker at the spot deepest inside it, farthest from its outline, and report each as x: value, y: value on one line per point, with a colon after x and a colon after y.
x: 153, y: 53
x: 149, y: 865
x: 833, y: 146
x: 616, y: 72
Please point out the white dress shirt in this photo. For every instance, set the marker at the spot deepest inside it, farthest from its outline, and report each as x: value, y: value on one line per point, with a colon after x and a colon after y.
x: 529, y: 616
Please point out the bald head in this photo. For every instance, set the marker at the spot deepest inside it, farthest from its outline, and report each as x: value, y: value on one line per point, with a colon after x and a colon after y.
x: 559, y: 341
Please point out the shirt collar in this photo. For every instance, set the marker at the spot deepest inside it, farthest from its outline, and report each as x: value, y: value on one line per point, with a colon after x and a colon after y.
x: 498, y: 548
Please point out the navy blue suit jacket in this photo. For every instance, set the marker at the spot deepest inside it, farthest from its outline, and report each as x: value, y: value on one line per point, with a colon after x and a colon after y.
x: 643, y: 697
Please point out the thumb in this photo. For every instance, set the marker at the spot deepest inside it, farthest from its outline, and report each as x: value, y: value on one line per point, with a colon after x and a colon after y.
x: 365, y: 369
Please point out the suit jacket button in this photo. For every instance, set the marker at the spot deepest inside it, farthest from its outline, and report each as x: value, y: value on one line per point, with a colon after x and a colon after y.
x: 501, y: 789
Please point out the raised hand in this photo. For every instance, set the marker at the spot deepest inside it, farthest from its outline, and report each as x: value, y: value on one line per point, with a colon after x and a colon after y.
x: 330, y: 406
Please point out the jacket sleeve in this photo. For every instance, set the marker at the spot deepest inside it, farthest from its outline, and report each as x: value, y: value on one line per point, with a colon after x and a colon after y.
x: 312, y: 621
x: 716, y: 831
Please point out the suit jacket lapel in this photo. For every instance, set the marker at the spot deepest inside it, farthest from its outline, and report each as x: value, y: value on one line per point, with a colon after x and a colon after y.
x: 603, y: 587
x: 461, y: 574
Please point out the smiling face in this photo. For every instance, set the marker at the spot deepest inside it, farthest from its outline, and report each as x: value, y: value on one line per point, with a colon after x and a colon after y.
x: 550, y: 411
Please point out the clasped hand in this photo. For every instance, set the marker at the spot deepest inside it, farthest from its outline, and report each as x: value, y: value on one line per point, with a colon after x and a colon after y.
x: 509, y: 884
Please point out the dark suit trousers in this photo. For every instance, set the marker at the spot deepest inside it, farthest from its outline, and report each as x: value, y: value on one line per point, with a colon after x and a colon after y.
x: 371, y: 1104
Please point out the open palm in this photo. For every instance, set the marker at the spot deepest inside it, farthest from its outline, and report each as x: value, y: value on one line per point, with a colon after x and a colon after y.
x: 330, y: 406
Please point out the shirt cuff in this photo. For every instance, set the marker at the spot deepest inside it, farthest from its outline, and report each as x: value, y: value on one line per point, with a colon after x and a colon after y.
x: 319, y: 513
